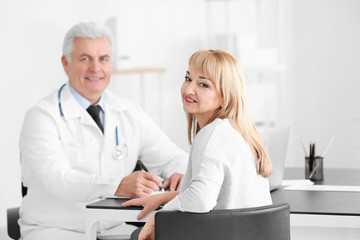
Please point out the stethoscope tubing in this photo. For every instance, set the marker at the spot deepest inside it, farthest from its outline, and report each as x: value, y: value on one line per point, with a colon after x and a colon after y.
x: 118, y: 154
x: 59, y: 100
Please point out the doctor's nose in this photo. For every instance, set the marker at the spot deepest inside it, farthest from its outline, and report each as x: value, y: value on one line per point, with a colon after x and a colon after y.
x: 94, y: 66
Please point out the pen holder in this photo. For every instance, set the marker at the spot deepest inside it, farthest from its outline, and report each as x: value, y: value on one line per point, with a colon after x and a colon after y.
x: 314, y: 168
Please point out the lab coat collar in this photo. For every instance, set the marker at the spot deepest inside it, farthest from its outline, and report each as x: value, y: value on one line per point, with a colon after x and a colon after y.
x: 71, y: 108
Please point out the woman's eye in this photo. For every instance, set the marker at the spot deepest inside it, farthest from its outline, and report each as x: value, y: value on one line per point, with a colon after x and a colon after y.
x: 204, y: 85
x: 187, y: 79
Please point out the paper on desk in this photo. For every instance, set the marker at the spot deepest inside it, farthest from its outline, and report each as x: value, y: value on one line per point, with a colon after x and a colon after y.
x: 328, y: 188
x: 297, y: 182
x: 153, y: 193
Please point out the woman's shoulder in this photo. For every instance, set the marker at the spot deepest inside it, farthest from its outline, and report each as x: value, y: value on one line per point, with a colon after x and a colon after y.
x: 222, y: 128
x: 218, y: 124
x: 220, y: 133
x: 210, y: 129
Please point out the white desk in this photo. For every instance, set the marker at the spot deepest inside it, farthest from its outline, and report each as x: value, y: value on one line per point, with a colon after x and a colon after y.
x: 109, y: 210
x: 323, y: 214
x: 313, y: 214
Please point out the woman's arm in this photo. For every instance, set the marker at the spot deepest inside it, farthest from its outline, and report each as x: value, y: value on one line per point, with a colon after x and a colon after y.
x: 206, y: 181
x: 151, y: 202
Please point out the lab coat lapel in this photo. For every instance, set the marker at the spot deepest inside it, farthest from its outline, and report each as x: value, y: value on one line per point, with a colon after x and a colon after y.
x: 72, y: 109
x: 112, y: 116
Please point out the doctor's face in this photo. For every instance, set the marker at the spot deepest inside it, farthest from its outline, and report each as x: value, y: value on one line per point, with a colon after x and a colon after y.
x: 90, y: 68
x: 199, y: 96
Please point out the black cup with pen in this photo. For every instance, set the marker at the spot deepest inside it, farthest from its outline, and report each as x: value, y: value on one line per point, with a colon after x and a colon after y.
x: 314, y: 164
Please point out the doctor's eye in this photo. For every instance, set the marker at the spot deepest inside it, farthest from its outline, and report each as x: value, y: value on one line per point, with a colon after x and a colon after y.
x: 84, y: 58
x: 187, y: 79
x: 105, y: 59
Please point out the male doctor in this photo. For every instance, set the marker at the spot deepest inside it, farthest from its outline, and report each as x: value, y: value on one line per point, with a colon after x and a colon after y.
x: 82, y: 143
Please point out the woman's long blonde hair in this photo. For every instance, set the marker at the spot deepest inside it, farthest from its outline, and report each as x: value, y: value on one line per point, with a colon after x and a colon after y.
x: 225, y: 72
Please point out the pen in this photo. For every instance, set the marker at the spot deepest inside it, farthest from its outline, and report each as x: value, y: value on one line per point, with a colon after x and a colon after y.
x: 143, y: 168
x: 327, y: 148
x: 314, y: 170
x: 303, y: 146
x: 311, y: 156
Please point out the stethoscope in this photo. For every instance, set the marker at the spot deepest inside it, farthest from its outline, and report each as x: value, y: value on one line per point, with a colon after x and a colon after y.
x: 120, y: 150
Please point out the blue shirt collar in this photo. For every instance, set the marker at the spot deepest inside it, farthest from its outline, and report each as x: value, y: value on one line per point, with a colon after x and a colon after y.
x: 84, y: 102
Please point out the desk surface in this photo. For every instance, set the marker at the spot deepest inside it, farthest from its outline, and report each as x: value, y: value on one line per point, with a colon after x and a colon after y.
x: 301, y: 202
x: 322, y: 202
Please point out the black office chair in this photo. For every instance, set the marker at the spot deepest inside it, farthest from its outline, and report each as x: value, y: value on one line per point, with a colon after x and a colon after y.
x: 13, y: 227
x: 268, y: 222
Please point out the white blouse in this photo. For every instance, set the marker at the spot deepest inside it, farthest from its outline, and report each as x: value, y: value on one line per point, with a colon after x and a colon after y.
x: 221, y: 173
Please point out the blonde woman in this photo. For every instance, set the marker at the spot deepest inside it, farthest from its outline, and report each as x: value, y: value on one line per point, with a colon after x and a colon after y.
x: 228, y: 166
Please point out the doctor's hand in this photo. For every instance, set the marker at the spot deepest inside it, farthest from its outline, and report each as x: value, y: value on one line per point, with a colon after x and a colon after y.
x: 173, y: 182
x: 150, y: 203
x: 138, y: 184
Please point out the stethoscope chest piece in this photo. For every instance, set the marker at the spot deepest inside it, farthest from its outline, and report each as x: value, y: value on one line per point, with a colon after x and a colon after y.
x: 118, y: 153
x: 119, y: 150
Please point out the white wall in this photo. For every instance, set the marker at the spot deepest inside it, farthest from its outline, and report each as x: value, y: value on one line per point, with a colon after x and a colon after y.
x: 322, y: 57
x: 325, y: 67
x: 158, y: 33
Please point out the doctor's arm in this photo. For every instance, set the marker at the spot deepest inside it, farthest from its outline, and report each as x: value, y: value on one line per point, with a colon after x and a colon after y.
x: 160, y: 154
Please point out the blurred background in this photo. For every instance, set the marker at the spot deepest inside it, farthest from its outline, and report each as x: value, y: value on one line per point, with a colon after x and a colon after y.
x: 301, y: 60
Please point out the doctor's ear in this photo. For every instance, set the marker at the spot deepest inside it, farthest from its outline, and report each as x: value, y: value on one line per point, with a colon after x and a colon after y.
x: 65, y: 63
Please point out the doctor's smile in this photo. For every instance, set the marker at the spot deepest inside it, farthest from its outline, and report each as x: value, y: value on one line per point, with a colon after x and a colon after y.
x: 94, y: 78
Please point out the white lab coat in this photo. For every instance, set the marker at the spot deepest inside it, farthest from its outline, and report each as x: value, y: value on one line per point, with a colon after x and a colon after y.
x: 67, y: 163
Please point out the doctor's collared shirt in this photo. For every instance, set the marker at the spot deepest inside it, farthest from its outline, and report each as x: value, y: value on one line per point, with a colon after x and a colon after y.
x: 85, y: 103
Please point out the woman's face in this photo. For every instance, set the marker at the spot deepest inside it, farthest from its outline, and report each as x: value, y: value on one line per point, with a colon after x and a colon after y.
x: 199, y: 96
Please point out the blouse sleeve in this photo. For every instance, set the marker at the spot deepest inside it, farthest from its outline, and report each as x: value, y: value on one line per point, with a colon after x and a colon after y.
x: 204, y: 188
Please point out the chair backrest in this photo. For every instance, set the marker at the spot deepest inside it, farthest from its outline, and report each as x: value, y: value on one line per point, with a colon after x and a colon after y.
x: 12, y: 223
x: 13, y: 216
x: 269, y: 222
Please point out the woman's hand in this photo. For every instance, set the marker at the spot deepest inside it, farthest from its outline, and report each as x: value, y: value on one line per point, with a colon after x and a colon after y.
x: 151, y: 202
x: 173, y: 182
x: 147, y: 232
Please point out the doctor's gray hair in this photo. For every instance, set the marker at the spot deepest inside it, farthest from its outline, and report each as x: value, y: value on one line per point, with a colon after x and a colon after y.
x: 85, y: 30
